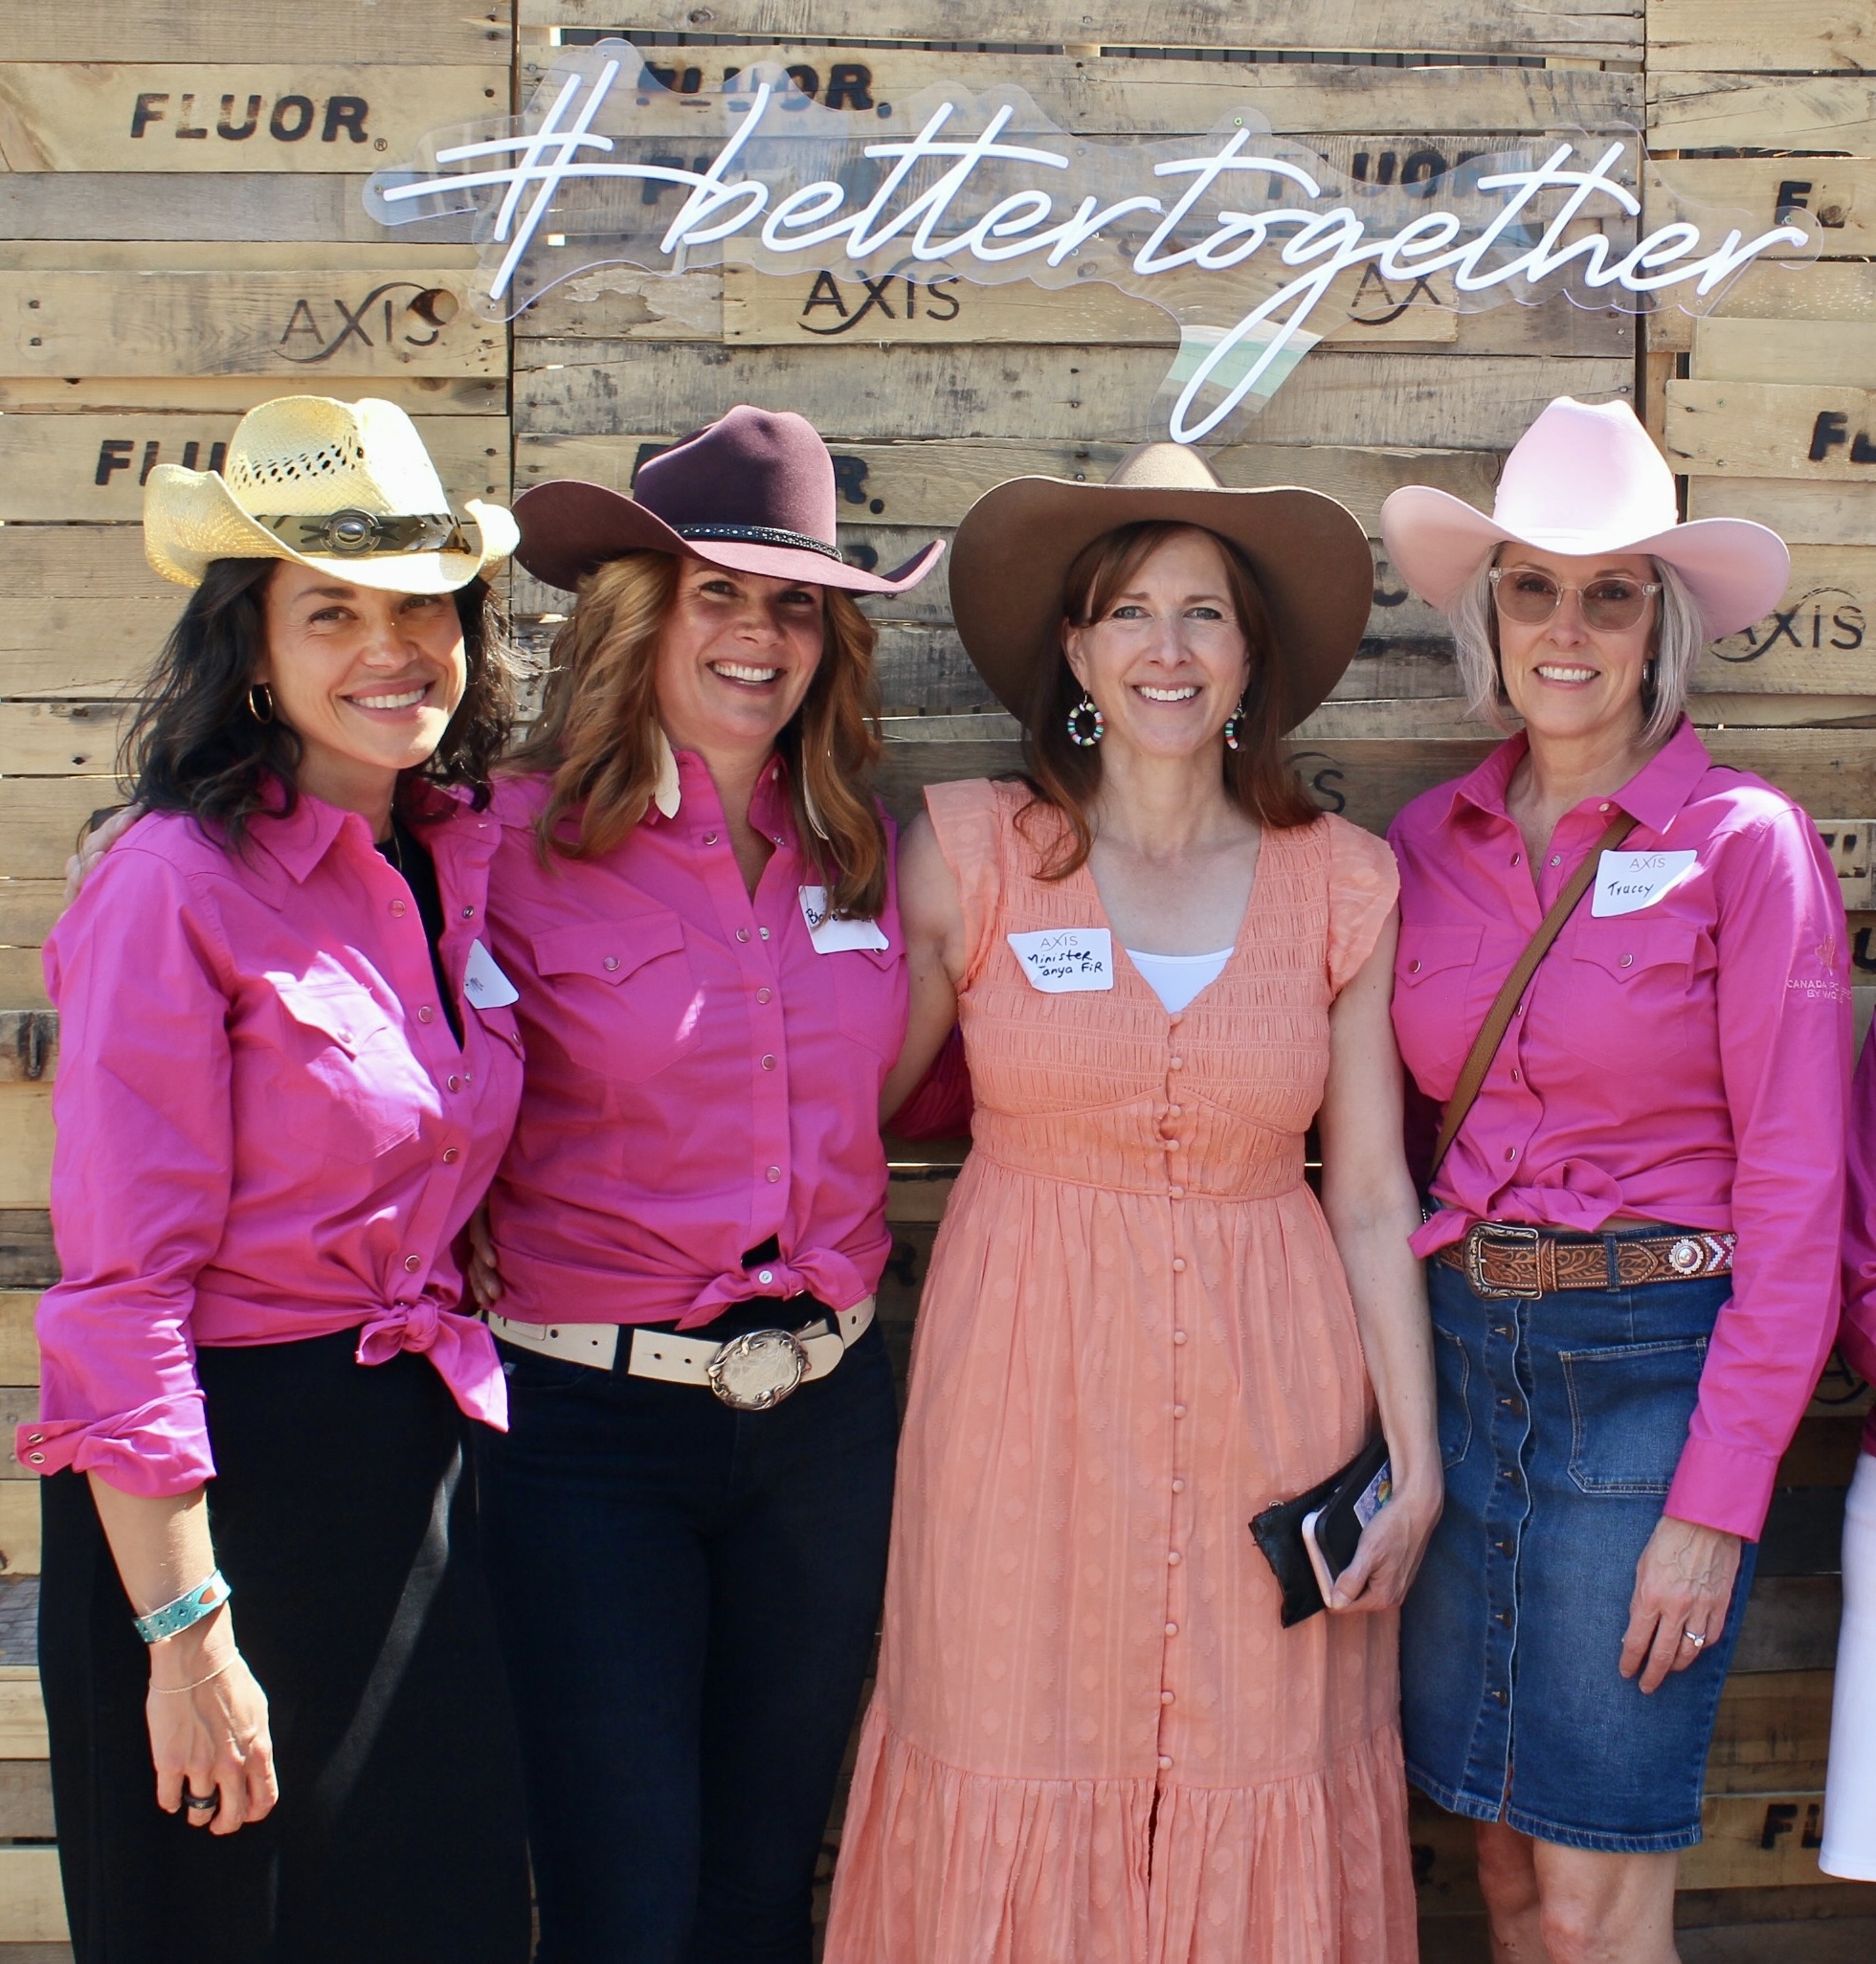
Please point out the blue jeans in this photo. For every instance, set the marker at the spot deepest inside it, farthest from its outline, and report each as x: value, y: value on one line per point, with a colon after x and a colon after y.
x: 687, y: 1597
x: 1561, y: 1421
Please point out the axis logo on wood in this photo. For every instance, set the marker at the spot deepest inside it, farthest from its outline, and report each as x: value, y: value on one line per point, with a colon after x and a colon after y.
x: 1235, y: 233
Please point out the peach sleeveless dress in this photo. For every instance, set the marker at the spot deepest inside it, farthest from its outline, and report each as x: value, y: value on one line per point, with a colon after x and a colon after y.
x: 1091, y: 1739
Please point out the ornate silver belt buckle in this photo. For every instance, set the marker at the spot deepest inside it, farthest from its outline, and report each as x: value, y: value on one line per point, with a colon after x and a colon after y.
x: 756, y: 1371
x: 1505, y: 1234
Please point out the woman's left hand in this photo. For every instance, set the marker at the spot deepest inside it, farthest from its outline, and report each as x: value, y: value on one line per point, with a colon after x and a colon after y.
x: 1683, y: 1588
x: 1388, y: 1555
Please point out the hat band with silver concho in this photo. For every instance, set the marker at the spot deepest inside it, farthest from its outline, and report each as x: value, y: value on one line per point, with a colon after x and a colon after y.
x: 354, y: 534
x: 760, y: 535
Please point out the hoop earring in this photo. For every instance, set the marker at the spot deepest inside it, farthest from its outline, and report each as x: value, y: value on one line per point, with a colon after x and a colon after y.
x: 261, y: 702
x: 1087, y: 707
x: 1233, y: 727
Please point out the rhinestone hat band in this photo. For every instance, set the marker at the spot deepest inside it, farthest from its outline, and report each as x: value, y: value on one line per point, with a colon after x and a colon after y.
x: 353, y: 534
x: 759, y: 535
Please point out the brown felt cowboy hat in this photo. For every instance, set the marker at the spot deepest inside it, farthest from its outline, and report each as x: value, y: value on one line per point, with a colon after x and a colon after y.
x: 753, y: 492
x: 1013, y: 550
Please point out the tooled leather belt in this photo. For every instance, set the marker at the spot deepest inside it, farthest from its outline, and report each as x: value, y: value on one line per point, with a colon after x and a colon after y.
x: 1499, y: 1259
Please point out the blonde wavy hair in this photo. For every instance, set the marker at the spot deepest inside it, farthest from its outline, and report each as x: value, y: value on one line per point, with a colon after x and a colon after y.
x: 597, y: 734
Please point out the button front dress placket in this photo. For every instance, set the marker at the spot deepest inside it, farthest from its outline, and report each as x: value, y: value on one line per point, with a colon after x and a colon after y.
x: 1174, y: 1126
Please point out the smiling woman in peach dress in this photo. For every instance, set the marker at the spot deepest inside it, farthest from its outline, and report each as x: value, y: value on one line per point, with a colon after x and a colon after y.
x: 1092, y: 1738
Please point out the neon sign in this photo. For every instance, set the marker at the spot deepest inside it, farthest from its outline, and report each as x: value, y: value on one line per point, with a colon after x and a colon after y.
x: 1240, y: 235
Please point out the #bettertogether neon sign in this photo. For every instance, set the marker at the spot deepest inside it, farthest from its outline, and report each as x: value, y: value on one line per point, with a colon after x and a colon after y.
x: 1239, y: 234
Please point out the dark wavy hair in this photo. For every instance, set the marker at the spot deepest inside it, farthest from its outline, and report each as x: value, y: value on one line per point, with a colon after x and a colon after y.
x: 1065, y: 777
x: 196, y: 747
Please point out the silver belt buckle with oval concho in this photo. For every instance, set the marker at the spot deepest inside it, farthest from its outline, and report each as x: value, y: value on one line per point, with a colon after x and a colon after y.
x: 756, y: 1371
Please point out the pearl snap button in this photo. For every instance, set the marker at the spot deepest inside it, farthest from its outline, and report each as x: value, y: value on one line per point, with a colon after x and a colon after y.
x: 765, y: 1275
x: 741, y: 934
x: 765, y: 935
x: 1178, y: 1487
x: 1171, y: 1557
x: 1179, y: 1336
x: 1164, y: 1761
x: 767, y: 1063
x: 610, y: 963
x: 468, y: 913
x: 1178, y: 1411
x: 412, y: 1262
x: 1510, y: 1153
x: 425, y: 1014
x: 399, y: 909
x: 1176, y: 1063
x: 1166, y: 1698
x: 710, y: 838
x: 455, y: 1083
x: 451, y: 1155
x: 37, y: 1458
x: 1628, y: 961
x: 1413, y: 968
x: 1172, y: 1629
x: 775, y: 1175
x: 763, y: 994
x: 1178, y: 1264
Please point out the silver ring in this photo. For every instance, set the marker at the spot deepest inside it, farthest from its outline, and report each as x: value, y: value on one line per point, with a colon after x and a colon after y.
x: 1694, y: 1638
x: 197, y: 1803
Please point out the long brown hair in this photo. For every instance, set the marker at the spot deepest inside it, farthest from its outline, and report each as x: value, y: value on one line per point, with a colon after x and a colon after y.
x: 598, y: 730
x: 1066, y: 778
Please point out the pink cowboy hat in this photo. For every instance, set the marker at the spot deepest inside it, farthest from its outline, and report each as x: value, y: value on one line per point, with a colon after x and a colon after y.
x: 753, y: 492
x: 1585, y: 480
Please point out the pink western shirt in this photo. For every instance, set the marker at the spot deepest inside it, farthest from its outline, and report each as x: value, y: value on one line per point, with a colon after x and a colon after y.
x: 700, y: 1077
x: 266, y: 1129
x: 1857, y: 1336
x: 1685, y: 1063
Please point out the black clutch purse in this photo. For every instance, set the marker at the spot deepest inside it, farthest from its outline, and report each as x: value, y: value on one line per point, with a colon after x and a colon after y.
x: 1345, y: 1505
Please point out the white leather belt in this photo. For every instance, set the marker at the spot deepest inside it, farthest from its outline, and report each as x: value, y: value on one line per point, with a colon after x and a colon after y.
x: 750, y: 1372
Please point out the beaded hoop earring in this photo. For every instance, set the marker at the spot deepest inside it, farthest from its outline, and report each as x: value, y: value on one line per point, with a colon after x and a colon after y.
x: 1233, y: 727
x: 1087, y: 707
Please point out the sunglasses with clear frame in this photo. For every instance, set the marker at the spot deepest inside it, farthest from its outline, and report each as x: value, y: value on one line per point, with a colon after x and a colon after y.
x: 1527, y: 596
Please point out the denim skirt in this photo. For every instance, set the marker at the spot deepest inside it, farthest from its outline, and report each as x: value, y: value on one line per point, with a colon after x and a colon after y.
x: 1561, y: 1420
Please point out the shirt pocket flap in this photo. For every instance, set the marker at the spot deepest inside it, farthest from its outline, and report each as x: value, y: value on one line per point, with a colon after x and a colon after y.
x: 1625, y: 946
x: 1425, y: 951
x: 346, y: 1017
x: 608, y: 950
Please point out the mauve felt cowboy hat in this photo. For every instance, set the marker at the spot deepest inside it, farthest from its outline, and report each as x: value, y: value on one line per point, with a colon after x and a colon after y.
x: 753, y: 492
x: 1013, y: 550
x: 1585, y: 480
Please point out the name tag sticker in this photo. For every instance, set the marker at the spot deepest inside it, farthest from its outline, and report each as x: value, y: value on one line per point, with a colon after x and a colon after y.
x: 831, y: 936
x: 1059, y: 961
x: 484, y: 983
x: 1626, y: 883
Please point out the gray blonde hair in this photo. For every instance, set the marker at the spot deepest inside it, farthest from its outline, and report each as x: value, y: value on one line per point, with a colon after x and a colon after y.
x: 1679, y: 638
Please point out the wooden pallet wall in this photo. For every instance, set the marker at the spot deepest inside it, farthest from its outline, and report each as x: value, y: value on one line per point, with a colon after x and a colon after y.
x: 180, y: 195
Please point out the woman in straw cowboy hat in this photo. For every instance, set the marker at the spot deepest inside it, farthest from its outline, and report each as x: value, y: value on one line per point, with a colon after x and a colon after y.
x: 1093, y: 1736
x: 1633, y: 1271
x: 694, y: 894
x: 285, y: 1080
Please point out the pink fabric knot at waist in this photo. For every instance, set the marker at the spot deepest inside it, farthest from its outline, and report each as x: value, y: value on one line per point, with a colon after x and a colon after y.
x: 459, y: 1346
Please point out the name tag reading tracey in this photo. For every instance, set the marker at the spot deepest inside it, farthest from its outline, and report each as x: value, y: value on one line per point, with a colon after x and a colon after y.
x: 829, y: 936
x: 484, y: 983
x: 1626, y: 883
x: 1058, y: 961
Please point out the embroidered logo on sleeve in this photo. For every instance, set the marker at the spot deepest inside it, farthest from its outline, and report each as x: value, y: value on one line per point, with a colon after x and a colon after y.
x: 1824, y: 987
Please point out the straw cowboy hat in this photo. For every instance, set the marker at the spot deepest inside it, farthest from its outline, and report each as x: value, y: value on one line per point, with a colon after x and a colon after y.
x: 753, y: 492
x: 346, y: 487
x: 1585, y: 480
x: 1017, y: 542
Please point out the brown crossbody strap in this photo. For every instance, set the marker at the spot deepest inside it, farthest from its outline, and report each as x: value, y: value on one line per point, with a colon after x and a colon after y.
x: 1491, y: 1034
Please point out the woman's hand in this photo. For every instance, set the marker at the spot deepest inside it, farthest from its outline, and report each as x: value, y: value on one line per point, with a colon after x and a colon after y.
x: 92, y: 847
x: 1387, y: 1556
x: 484, y: 1277
x: 1683, y: 1583
x: 208, y: 1733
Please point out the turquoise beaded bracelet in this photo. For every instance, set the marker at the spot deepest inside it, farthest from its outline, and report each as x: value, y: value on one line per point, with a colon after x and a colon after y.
x: 173, y: 1617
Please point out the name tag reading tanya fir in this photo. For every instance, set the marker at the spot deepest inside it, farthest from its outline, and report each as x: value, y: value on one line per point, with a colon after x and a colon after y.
x: 1626, y: 883
x: 1058, y: 961
x: 829, y: 936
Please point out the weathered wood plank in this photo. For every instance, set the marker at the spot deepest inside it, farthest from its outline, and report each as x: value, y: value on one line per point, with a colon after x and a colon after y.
x: 1047, y: 395
x: 19, y: 1533
x: 1701, y: 111
x: 234, y: 207
x: 1776, y: 290
x: 28, y: 907
x: 230, y: 256
x: 39, y: 821
x: 296, y: 328
x: 923, y: 483
x: 230, y: 395
x: 31, y: 1902
x: 1841, y: 354
x: 89, y: 466
x: 1140, y: 96
x: 1836, y: 195
x: 1769, y: 430
x: 1817, y: 514
x: 1822, y: 1453
x: 1756, y: 1840
x: 19, y: 1349
x: 191, y: 117
x: 24, y: 1809
x: 27, y: 1260
x: 80, y: 563
x: 1746, y: 34
x: 58, y: 739
x: 22, y: 980
x: 22, y: 1710
x: 412, y: 33
x: 26, y: 1123
x: 1773, y: 1732
x: 1821, y: 641
x: 1608, y: 31
x: 1790, y: 1624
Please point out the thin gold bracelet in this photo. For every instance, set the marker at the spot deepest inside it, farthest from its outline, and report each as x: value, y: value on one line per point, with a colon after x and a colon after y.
x: 176, y: 1690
